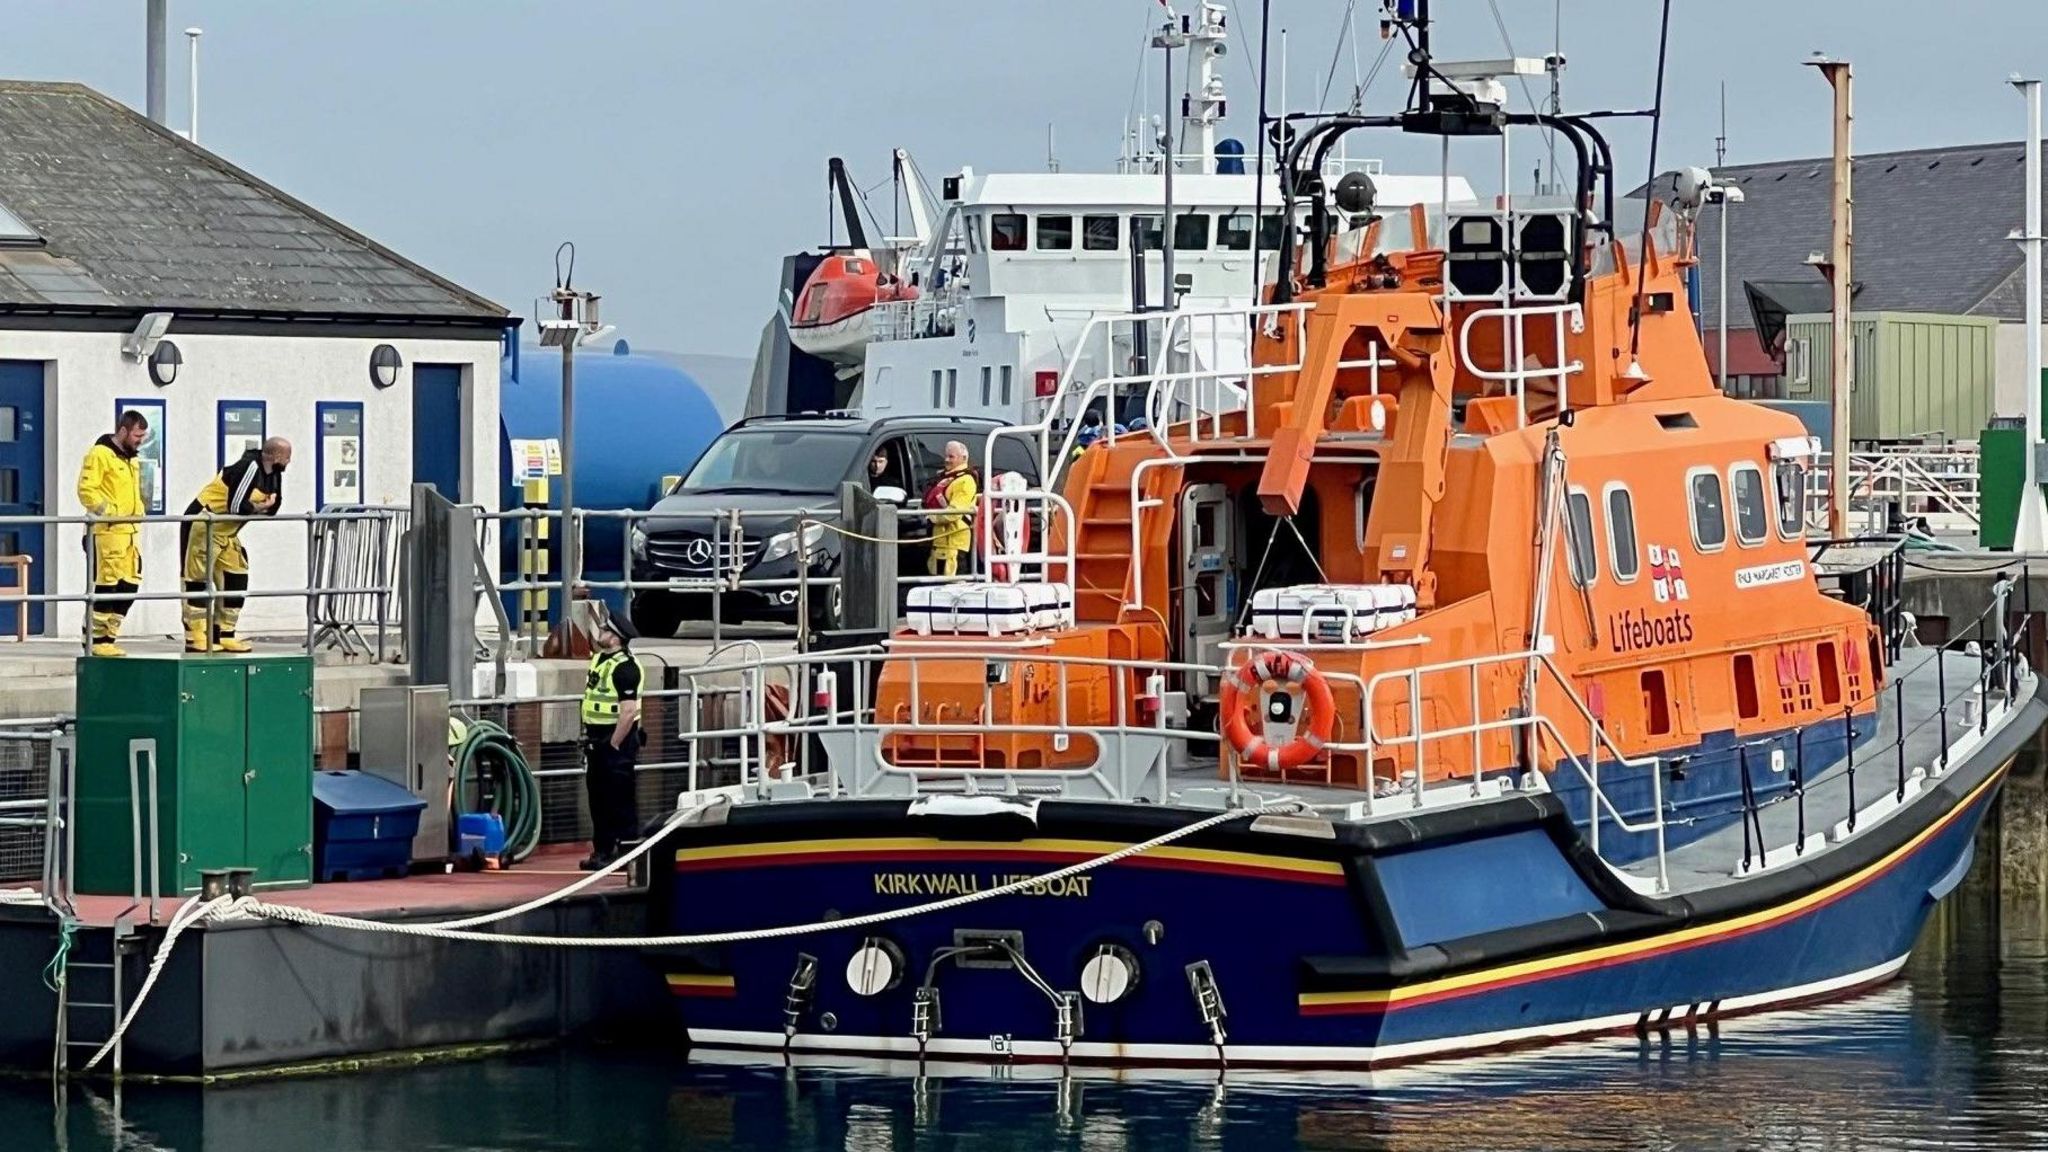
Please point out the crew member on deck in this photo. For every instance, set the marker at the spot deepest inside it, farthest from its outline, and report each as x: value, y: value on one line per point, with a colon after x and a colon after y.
x: 612, y: 738
x: 110, y: 486
x: 214, y: 557
x: 954, y: 490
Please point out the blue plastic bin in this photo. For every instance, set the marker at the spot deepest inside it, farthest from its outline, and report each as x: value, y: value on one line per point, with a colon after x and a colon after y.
x: 362, y: 826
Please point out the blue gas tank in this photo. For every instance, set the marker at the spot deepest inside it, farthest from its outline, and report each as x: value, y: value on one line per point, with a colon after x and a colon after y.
x: 638, y: 418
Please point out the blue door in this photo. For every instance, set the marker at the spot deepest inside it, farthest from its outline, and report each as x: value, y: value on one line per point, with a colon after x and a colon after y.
x: 437, y: 427
x: 21, y: 483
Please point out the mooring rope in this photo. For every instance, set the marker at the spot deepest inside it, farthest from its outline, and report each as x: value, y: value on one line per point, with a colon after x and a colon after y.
x: 227, y: 908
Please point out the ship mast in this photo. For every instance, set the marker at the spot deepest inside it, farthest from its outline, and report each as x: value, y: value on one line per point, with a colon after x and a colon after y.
x: 1202, y: 106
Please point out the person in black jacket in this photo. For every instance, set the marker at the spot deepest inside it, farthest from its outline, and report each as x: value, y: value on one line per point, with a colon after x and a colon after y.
x: 214, y: 557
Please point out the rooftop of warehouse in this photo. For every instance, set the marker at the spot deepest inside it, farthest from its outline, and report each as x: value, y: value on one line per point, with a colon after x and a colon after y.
x: 102, y: 208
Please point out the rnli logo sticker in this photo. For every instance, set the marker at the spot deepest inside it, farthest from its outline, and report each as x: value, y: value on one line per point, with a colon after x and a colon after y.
x: 1667, y: 577
x: 1761, y: 575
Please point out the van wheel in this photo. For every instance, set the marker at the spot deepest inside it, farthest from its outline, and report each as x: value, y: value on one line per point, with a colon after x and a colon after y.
x: 657, y: 615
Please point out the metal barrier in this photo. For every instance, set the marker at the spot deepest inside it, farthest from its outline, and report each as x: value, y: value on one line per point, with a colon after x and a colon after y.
x: 357, y: 565
x: 357, y: 562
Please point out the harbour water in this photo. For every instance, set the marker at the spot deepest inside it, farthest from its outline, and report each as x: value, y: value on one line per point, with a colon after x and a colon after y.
x: 1955, y: 1055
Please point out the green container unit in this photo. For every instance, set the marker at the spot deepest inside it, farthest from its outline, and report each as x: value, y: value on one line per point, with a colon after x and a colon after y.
x: 1915, y: 375
x: 234, y: 769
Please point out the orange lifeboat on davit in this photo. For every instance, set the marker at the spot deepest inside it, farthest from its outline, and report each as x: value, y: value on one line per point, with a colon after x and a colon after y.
x: 833, y: 316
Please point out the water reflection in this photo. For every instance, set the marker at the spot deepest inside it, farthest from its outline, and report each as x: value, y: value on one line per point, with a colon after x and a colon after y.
x: 1953, y: 1056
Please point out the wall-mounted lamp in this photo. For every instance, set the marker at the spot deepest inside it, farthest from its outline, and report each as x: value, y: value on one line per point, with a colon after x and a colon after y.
x: 164, y: 362
x: 385, y: 363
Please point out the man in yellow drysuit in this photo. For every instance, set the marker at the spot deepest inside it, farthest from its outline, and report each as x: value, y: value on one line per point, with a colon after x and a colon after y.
x: 214, y: 557
x: 954, y: 491
x: 110, y: 487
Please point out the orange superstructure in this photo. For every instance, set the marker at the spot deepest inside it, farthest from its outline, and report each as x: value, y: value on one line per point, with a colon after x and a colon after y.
x: 1590, y: 530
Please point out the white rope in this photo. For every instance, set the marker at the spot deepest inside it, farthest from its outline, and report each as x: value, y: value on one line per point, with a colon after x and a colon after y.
x: 22, y: 896
x: 253, y: 908
x: 193, y: 911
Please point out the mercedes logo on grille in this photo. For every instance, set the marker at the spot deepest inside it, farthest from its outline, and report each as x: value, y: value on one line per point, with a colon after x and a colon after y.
x: 698, y: 551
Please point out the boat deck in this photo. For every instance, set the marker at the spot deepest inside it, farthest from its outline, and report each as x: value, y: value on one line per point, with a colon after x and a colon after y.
x: 1716, y: 858
x: 549, y: 869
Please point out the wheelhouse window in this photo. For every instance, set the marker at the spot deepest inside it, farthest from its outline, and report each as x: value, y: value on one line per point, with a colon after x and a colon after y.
x: 1055, y: 233
x: 1145, y: 234
x: 1098, y: 233
x: 1709, y: 511
x: 1190, y: 232
x: 1578, y: 510
x: 1006, y: 232
x: 1624, y: 555
x: 1234, y: 232
x: 1752, y: 516
x: 1789, y: 477
x: 1272, y: 232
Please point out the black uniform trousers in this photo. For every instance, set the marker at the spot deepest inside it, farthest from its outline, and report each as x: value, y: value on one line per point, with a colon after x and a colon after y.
x: 608, y: 783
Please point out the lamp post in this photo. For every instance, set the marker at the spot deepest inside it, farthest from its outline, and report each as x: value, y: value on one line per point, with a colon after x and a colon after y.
x: 1841, y: 248
x: 2030, y: 533
x: 192, y: 36
x: 575, y: 321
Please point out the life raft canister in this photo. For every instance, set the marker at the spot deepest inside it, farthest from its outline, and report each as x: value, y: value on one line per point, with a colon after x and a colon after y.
x: 1235, y: 706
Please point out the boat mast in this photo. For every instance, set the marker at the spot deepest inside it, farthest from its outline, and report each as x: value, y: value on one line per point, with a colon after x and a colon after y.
x: 1202, y: 107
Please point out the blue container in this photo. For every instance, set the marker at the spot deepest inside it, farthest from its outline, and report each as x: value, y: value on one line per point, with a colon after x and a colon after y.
x: 480, y: 835
x: 638, y: 418
x: 362, y: 826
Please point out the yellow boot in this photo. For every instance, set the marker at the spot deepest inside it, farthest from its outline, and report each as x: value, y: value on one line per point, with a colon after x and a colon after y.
x: 231, y: 644
x: 108, y: 648
x: 195, y: 636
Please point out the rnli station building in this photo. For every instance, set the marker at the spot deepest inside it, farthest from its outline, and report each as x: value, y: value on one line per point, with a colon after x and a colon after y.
x: 140, y: 271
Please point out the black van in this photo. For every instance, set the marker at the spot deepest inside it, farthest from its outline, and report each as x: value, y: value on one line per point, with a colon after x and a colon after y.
x: 791, y: 466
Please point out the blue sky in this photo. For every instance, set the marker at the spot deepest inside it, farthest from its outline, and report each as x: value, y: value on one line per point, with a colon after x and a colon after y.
x: 682, y: 144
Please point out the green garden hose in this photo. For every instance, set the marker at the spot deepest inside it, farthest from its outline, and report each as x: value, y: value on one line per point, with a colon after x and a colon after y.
x: 486, y: 748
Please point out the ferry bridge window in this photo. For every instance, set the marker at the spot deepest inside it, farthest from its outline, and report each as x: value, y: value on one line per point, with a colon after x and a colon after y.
x: 1006, y: 232
x: 1055, y: 233
x: 1709, y: 515
x: 1234, y: 232
x: 1190, y: 232
x: 1272, y: 232
x: 1752, y: 518
x: 1624, y: 555
x: 1789, y: 477
x: 1578, y: 510
x: 1098, y: 233
x: 1145, y: 234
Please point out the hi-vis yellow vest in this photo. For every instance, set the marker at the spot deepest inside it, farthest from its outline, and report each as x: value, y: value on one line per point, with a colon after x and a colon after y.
x: 600, y: 695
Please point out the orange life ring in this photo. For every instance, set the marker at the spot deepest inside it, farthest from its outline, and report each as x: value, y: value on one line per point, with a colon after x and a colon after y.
x: 1234, y: 708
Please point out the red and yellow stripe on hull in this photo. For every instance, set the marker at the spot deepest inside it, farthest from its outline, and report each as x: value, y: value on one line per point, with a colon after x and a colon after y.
x: 1551, y: 967
x: 1048, y: 852
x: 692, y: 984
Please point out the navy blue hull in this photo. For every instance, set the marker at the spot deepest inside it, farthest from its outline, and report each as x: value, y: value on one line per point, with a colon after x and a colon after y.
x: 1323, y: 953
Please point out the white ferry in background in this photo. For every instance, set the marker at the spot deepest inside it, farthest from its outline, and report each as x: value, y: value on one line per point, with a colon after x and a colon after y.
x: 989, y: 300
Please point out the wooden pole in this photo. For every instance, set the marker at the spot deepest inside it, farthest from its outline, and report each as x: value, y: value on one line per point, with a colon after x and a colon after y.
x: 1840, y: 259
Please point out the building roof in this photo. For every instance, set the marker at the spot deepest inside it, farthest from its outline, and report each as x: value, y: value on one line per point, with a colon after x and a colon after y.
x: 133, y: 217
x: 1931, y: 230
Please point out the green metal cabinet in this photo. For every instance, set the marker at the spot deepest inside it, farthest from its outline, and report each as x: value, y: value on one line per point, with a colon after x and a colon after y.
x: 233, y: 741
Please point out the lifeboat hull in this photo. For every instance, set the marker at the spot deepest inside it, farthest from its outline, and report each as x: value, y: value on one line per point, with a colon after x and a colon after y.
x: 1320, y: 951
x: 843, y: 341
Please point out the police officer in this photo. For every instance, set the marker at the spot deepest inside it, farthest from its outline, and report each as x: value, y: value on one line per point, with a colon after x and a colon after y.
x: 612, y: 738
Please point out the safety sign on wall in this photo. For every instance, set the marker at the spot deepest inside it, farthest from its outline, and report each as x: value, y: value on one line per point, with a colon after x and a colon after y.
x: 536, y: 459
x: 341, y: 454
